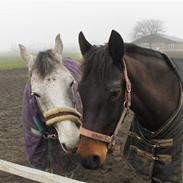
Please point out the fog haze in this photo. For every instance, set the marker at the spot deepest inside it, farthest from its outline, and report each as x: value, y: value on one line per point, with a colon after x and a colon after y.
x: 35, y: 23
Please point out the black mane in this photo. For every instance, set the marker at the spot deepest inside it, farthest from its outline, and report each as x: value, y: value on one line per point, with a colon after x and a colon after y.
x: 134, y: 49
x: 45, y: 63
x: 98, y: 60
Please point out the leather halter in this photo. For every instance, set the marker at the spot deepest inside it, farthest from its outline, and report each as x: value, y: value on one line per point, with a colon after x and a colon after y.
x: 127, y: 103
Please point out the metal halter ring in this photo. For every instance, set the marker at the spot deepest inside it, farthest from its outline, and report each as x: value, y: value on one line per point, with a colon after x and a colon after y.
x: 50, y: 136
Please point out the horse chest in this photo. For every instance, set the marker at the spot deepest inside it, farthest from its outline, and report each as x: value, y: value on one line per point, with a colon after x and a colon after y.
x: 157, y: 156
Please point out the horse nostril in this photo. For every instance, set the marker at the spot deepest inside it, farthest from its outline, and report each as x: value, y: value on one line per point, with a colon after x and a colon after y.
x: 95, y: 159
x: 91, y: 162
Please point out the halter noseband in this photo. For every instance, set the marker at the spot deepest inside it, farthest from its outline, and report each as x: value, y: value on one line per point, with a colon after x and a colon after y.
x: 127, y: 103
x: 60, y: 114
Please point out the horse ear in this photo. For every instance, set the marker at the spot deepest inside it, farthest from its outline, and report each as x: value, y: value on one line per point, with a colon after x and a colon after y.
x: 116, y: 48
x: 58, y: 45
x: 26, y: 56
x: 83, y: 44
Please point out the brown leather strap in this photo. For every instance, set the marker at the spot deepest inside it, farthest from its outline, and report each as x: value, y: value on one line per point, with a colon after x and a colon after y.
x: 158, y: 157
x: 127, y: 102
x: 94, y: 135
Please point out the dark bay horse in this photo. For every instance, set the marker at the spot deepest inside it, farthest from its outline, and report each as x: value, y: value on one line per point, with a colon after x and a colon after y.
x: 150, y: 85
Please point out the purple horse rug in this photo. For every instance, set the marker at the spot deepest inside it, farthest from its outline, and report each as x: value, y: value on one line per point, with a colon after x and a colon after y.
x: 43, y: 148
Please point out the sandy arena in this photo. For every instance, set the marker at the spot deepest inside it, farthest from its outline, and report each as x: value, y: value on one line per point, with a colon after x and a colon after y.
x: 12, y: 83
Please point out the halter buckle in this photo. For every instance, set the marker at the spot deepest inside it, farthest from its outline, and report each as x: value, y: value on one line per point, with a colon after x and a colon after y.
x: 50, y: 136
x: 112, y: 143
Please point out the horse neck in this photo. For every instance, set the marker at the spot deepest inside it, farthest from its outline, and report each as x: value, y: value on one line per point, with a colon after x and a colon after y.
x: 155, y: 90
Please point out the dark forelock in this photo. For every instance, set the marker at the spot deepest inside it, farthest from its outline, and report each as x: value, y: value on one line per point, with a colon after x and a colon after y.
x: 97, y: 62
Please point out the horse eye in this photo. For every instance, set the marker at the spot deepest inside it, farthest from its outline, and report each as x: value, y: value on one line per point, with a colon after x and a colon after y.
x: 114, y: 94
x: 71, y: 84
x: 35, y: 94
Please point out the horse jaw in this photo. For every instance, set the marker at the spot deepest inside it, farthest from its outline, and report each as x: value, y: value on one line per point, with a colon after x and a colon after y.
x: 68, y: 135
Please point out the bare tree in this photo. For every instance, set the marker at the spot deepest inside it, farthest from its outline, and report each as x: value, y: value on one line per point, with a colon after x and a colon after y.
x: 147, y: 27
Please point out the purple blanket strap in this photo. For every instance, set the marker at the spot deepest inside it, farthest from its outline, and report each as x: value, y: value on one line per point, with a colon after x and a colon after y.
x: 46, y: 153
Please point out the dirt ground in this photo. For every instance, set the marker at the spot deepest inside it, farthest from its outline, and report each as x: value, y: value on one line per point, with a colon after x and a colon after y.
x: 12, y: 82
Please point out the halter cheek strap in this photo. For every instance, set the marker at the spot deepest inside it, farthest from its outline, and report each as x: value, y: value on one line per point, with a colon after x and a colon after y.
x: 127, y: 103
x: 128, y: 90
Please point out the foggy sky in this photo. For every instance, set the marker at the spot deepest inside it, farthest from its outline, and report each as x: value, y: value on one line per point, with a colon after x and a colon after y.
x: 35, y: 23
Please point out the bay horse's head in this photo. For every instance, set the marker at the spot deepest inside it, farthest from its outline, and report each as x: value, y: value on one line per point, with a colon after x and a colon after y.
x: 51, y: 84
x: 102, y: 93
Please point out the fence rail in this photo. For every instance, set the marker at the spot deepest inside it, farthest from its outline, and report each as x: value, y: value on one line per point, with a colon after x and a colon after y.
x: 33, y: 174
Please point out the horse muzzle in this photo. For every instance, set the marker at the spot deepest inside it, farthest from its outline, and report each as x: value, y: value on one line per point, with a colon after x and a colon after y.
x: 92, y: 153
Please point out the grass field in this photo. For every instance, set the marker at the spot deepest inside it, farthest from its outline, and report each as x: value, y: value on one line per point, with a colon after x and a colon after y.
x: 14, y: 62
x: 10, y: 62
